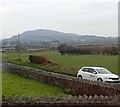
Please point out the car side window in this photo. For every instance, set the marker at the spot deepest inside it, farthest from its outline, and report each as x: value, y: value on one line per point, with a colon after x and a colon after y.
x: 85, y: 69
x: 91, y: 70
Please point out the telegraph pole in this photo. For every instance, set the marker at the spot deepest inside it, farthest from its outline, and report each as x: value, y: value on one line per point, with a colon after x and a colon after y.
x: 19, y: 57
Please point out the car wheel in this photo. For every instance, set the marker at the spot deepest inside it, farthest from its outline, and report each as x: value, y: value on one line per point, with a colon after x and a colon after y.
x: 79, y: 76
x: 99, y: 79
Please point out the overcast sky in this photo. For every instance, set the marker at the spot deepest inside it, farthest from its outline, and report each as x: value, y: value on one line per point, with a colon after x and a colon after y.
x: 94, y: 17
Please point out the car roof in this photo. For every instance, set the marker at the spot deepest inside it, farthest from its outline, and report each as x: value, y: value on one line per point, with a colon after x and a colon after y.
x: 93, y: 67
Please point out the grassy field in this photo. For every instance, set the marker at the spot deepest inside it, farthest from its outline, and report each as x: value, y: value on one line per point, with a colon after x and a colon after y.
x: 13, y: 85
x: 110, y: 62
x: 107, y: 61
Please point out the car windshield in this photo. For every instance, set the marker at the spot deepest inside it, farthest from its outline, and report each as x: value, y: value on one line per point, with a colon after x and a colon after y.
x: 103, y: 71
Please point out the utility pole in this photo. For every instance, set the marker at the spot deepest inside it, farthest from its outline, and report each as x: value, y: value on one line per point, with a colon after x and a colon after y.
x: 19, y: 57
x: 7, y: 53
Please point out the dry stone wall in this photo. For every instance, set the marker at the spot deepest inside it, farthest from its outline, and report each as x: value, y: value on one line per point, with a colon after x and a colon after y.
x: 43, y: 101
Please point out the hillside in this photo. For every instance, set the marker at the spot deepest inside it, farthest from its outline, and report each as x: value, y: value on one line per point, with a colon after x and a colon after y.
x: 43, y: 37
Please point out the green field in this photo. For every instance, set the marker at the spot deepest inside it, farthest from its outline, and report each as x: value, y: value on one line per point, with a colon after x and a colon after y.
x: 107, y: 61
x: 110, y: 62
x: 13, y: 85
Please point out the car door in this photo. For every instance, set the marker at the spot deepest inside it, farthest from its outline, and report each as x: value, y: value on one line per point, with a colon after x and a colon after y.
x: 92, y: 74
x: 84, y: 73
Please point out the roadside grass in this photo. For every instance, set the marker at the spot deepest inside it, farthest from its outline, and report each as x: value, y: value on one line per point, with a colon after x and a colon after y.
x: 13, y: 85
x: 108, y: 61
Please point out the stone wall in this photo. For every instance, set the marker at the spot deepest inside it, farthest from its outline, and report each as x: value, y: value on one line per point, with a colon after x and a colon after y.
x: 43, y: 101
x: 72, y: 85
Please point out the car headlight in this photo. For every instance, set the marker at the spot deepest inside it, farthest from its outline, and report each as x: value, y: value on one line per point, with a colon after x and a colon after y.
x: 106, y: 77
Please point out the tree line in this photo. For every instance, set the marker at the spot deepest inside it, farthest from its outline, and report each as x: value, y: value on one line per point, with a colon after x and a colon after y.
x: 87, y: 50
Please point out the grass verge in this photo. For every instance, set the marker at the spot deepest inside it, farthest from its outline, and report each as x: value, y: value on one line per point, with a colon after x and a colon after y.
x: 13, y: 85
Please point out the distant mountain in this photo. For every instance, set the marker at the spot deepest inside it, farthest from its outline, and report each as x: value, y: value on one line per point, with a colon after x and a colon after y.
x: 43, y: 37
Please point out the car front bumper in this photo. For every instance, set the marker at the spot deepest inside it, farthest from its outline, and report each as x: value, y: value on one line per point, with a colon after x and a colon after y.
x: 113, y: 81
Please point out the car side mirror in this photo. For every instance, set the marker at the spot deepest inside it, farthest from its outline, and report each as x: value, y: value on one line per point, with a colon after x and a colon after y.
x: 94, y: 72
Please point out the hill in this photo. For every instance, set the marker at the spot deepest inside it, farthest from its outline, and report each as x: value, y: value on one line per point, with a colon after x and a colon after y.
x: 43, y: 37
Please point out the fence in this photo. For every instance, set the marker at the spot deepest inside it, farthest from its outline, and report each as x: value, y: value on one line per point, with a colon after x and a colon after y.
x: 71, y: 85
x: 43, y: 101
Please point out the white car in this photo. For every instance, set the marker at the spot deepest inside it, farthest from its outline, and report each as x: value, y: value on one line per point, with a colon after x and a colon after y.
x: 98, y: 74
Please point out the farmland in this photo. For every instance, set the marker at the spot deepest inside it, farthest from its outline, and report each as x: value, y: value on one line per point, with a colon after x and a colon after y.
x: 13, y: 85
x: 108, y: 61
